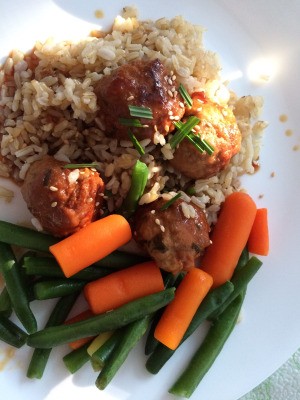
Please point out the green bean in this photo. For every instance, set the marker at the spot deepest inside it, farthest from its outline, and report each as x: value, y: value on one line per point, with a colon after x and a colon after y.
x: 101, y: 355
x: 5, y: 303
x: 49, y: 267
x: 240, y: 280
x: 212, y: 301
x: 108, y: 321
x: 120, y: 259
x: 244, y: 258
x: 131, y: 335
x: 10, y: 333
x: 56, y: 288
x: 16, y: 288
x: 208, y: 351
x: 139, y: 179
x: 25, y: 237
x: 77, y: 358
x: 40, y: 357
x: 95, y: 365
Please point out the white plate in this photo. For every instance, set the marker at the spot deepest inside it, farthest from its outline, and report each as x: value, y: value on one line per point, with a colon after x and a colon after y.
x: 241, y: 32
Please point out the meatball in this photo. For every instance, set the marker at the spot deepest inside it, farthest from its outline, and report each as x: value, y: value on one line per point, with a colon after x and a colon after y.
x: 139, y: 83
x: 169, y: 236
x: 63, y: 200
x: 219, y: 128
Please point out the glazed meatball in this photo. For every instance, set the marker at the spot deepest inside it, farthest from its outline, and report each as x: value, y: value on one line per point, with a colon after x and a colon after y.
x: 139, y: 83
x: 171, y: 237
x: 63, y: 200
x: 219, y: 128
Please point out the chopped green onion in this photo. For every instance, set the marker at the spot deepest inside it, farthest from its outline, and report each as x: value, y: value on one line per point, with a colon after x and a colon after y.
x: 83, y: 165
x: 140, y: 112
x: 131, y: 122
x: 201, y: 143
x: 178, y: 124
x: 185, y: 95
x: 183, y: 130
x: 195, y: 142
x: 191, y: 190
x: 170, y: 202
x: 136, y: 143
x: 208, y: 147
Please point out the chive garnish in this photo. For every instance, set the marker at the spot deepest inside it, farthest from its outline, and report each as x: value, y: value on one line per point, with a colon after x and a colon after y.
x: 82, y: 165
x: 183, y: 130
x: 208, y: 147
x: 136, y: 143
x: 201, y: 144
x: 185, y: 95
x: 140, y: 112
x: 170, y: 202
x: 131, y: 122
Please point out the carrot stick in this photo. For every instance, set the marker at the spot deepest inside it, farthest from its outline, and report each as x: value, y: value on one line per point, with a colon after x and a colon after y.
x: 229, y: 237
x: 91, y: 243
x: 178, y: 314
x: 80, y: 317
x: 123, y: 286
x: 258, y: 242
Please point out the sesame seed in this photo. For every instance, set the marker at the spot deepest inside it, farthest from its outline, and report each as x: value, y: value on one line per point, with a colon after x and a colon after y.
x: 54, y: 204
x: 152, y: 211
x: 171, y: 117
x: 93, y: 169
x: 97, y: 204
x: 176, y: 118
x: 145, y: 126
x: 173, y: 89
x: 197, y: 128
x: 167, y: 128
x: 171, y: 72
x: 175, y: 93
x: 174, y: 77
x: 130, y: 98
x: 90, y: 199
x: 181, y: 104
x: 53, y: 189
x: 170, y: 81
x: 170, y: 112
x: 155, y: 128
x: 170, y: 93
x: 162, y: 228
x: 157, y: 221
x: 199, y: 109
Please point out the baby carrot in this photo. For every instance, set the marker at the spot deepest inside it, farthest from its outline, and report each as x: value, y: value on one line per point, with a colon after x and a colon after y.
x: 178, y: 314
x: 91, y: 243
x: 258, y: 242
x: 229, y: 237
x: 80, y: 317
x: 123, y: 286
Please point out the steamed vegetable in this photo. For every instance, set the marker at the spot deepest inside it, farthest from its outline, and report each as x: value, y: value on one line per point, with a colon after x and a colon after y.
x: 80, y: 317
x: 91, y: 243
x: 121, y: 316
x: 258, y: 242
x: 10, y: 333
x: 16, y: 288
x: 40, y: 357
x: 208, y: 351
x: 211, y: 302
x: 179, y: 313
x: 123, y: 286
x: 229, y: 237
